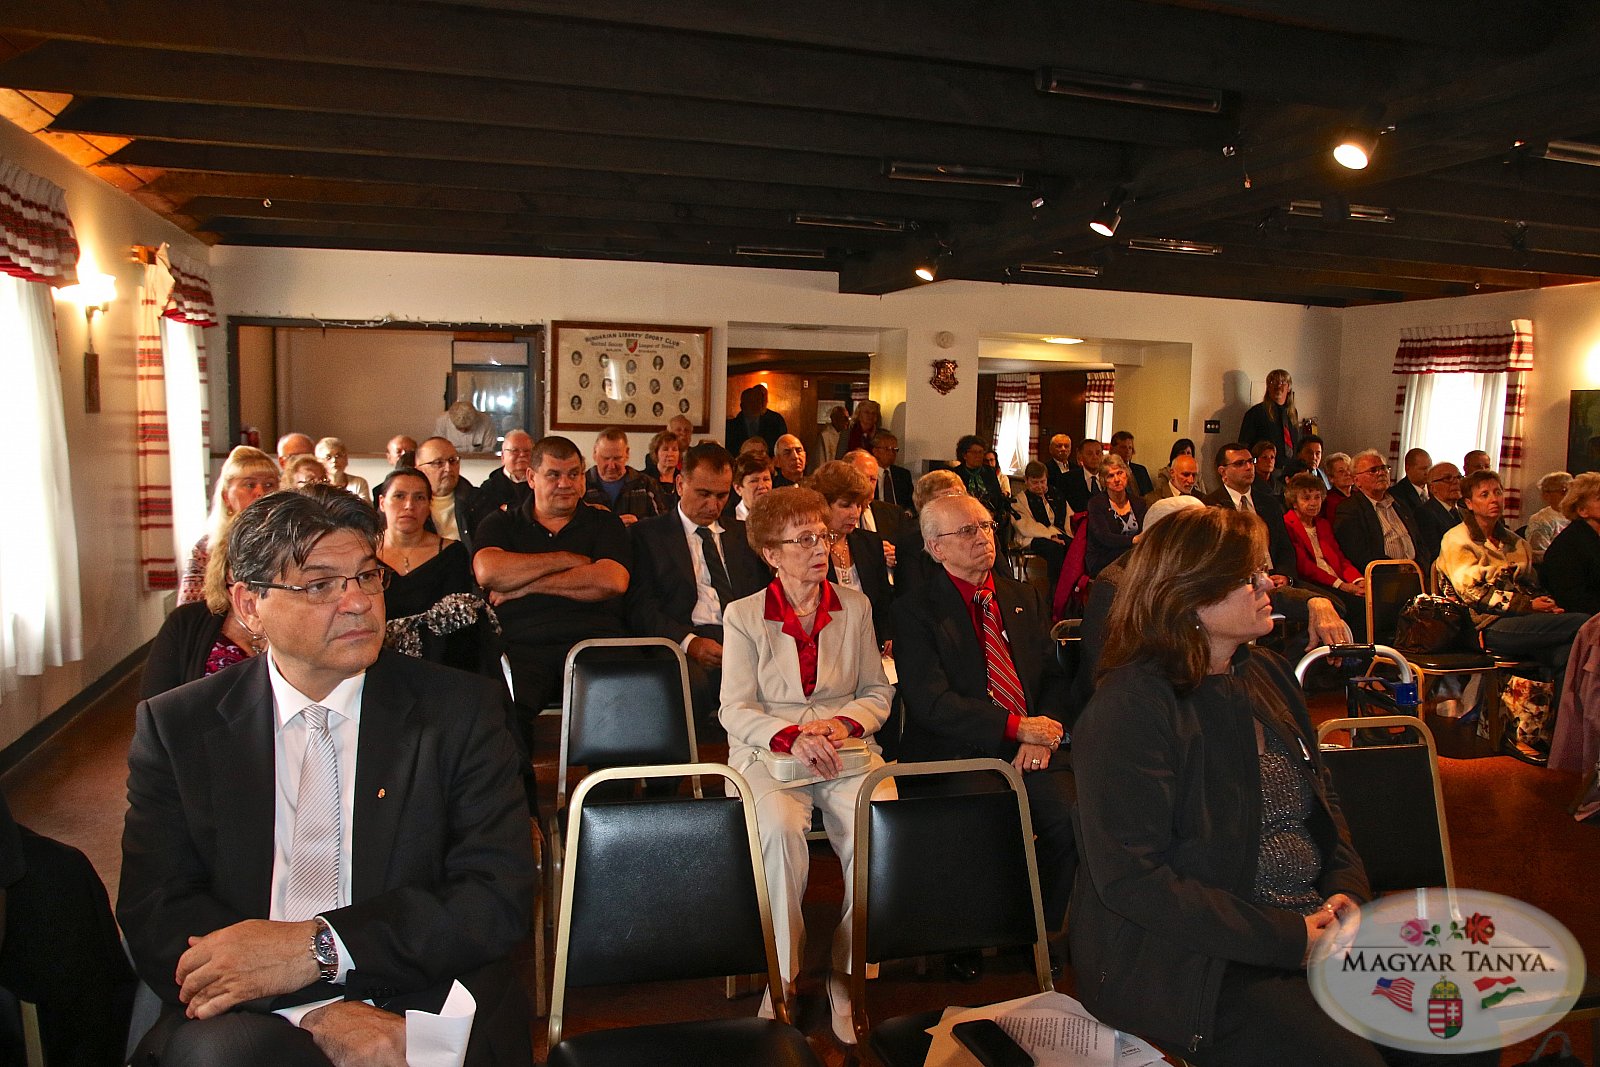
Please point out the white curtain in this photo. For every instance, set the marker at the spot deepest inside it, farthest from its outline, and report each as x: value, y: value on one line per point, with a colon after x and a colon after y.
x: 1011, y: 438
x: 41, y: 617
x: 181, y: 353
x: 1449, y: 415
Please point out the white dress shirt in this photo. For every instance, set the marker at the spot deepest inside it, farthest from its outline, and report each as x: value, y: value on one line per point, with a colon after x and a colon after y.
x: 1236, y: 496
x: 707, y: 608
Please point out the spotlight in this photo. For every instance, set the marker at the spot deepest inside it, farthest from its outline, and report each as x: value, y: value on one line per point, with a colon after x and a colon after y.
x: 1109, y: 217
x: 1355, y: 148
x: 927, y: 272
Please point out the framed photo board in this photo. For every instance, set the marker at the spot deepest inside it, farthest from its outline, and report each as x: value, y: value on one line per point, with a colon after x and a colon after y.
x: 1583, y: 431
x: 629, y: 375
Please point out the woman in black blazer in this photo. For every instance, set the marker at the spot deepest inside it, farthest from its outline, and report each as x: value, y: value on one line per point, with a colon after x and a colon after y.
x: 1114, y: 516
x: 857, y: 559
x: 1571, y: 567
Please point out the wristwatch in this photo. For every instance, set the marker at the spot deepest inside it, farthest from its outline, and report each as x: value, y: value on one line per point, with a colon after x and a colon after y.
x: 325, y: 950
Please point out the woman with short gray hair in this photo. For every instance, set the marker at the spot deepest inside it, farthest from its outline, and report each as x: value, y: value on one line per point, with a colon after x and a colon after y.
x: 1548, y: 520
x: 1113, y: 516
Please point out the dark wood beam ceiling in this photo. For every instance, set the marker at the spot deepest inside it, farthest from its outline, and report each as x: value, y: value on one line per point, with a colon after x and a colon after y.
x: 679, y: 133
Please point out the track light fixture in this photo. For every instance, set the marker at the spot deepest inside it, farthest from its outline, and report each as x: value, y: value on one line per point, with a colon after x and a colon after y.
x: 929, y: 270
x: 1355, y: 147
x: 1109, y: 217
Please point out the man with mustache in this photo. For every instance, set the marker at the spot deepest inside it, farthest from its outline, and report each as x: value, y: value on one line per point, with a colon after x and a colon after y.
x: 329, y: 835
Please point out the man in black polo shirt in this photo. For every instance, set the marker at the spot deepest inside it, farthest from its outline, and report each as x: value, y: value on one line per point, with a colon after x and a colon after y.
x: 556, y: 570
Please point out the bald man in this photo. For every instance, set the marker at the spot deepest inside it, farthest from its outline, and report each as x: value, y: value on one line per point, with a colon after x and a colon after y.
x: 291, y: 445
x: 401, y: 451
x: 790, y: 455
x: 506, y: 488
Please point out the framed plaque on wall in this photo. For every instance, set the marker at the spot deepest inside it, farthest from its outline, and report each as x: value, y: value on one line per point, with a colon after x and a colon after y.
x: 629, y: 375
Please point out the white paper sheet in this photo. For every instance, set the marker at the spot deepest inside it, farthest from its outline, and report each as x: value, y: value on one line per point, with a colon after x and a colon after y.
x: 1054, y: 1028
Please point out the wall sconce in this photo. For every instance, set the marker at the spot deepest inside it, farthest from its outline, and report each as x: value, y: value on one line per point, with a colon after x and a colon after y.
x: 94, y: 292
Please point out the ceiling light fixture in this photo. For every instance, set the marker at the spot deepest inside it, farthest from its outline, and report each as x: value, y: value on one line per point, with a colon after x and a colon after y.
x: 849, y: 222
x: 956, y: 174
x: 1072, y: 270
x: 1063, y: 340
x: 1174, y: 245
x: 1139, y: 92
x: 1573, y: 152
x: 774, y: 252
x: 1109, y: 217
x: 929, y: 269
x: 1314, y: 209
x: 1355, y: 147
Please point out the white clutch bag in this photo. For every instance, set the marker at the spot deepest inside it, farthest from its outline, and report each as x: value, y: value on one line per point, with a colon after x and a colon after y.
x: 853, y: 753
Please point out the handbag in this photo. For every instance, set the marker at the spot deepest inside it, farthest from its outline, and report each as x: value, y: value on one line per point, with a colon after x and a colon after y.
x: 1434, y: 624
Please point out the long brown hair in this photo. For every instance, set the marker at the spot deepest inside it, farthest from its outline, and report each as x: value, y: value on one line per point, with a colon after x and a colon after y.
x: 1185, y: 562
x: 1291, y: 416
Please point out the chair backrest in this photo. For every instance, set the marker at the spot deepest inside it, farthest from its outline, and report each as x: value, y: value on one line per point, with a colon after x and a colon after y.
x: 661, y: 890
x: 627, y: 704
x: 1389, y: 793
x: 1391, y: 583
x: 923, y: 861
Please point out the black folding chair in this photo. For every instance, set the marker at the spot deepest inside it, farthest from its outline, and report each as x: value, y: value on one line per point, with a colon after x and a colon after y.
x: 1391, y: 585
x: 665, y: 890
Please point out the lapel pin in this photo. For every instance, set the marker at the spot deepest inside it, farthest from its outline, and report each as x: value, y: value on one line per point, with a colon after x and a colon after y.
x: 1016, y: 611
x: 380, y: 794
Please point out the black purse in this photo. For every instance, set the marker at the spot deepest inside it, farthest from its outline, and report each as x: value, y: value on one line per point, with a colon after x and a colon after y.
x: 1435, y: 624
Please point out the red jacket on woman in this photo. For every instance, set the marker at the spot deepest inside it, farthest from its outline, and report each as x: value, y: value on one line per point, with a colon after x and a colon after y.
x: 1306, y: 560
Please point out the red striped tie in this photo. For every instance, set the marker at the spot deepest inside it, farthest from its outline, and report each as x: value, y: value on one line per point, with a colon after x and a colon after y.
x: 1005, y: 688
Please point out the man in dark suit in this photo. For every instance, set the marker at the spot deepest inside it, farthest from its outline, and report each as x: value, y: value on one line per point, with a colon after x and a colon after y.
x: 1442, y: 509
x: 690, y: 564
x: 506, y: 487
x: 1241, y: 491
x: 987, y: 684
x: 1122, y: 444
x: 894, y: 482
x: 327, y: 824
x: 1083, y: 481
x: 879, y: 516
x: 1372, y: 525
x: 755, y: 420
x: 1060, y: 463
x: 1412, y: 490
x: 454, y: 507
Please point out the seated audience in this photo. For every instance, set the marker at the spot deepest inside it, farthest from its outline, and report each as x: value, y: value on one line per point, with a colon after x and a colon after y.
x: 1061, y: 462
x: 865, y: 425
x: 1412, y: 490
x: 1490, y: 569
x: 1307, y: 459
x: 1548, y: 521
x: 831, y: 434
x: 556, y: 570
x: 233, y: 897
x: 1214, y: 855
x: 1319, y: 565
x: 291, y: 445
x: 802, y: 676
x: 752, y: 475
x: 689, y: 566
x: 1340, y: 469
x: 60, y: 950
x: 1476, y: 460
x: 453, y: 511
x: 506, y: 487
x: 879, y: 516
x: 1441, y: 510
x: 680, y: 427
x: 1122, y: 443
x: 979, y: 677
x: 1181, y: 447
x: 334, y: 458
x: 1040, y: 521
x: 755, y: 446
x: 1571, y: 567
x: 665, y: 454
x: 982, y: 481
x: 789, y: 462
x: 894, y: 481
x: 465, y: 427
x: 1083, y: 481
x: 201, y: 637
x: 1241, y: 491
x: 1372, y: 525
x: 755, y: 419
x: 914, y: 565
x: 247, y: 475
x: 1180, y: 477
x: 401, y: 451
x: 431, y: 605
x: 1112, y: 518
x: 1275, y: 418
x: 612, y: 484
x: 856, y: 558
x: 303, y: 470
x: 1268, y: 481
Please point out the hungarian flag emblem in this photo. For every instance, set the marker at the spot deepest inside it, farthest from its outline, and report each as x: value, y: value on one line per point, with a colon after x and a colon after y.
x: 1508, y: 983
x: 1444, y: 1009
x: 633, y: 345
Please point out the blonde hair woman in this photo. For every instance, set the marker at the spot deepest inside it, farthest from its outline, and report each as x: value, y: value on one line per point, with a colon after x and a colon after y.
x: 247, y: 475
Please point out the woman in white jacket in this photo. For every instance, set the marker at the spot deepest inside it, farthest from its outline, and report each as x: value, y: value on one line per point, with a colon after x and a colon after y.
x: 801, y: 676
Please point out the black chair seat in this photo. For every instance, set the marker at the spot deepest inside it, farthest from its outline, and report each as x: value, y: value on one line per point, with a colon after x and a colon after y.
x: 725, y: 1042
x: 903, y: 1041
x: 1445, y: 662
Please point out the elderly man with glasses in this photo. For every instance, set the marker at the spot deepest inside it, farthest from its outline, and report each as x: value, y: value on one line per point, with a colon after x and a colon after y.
x: 1372, y: 524
x: 455, y: 500
x: 979, y: 677
x: 506, y: 487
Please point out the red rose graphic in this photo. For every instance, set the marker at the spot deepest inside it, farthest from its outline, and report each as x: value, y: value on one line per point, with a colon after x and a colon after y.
x: 1480, y: 928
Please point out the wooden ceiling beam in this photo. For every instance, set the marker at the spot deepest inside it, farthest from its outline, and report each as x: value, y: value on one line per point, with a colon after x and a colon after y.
x: 1381, y: 246
x: 1486, y: 26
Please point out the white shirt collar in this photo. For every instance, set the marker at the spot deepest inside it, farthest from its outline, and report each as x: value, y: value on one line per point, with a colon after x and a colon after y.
x: 345, y: 700
x: 689, y: 527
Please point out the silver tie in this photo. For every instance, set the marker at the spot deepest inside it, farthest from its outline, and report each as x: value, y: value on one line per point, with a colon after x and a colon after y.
x: 314, y: 853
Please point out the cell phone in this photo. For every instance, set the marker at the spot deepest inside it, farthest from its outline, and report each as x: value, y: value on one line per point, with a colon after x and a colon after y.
x: 992, y: 1045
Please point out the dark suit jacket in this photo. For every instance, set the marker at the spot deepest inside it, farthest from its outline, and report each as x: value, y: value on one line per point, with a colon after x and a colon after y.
x: 1141, y: 478
x: 1571, y: 568
x: 1360, y: 533
x: 1271, y: 510
x: 900, y: 483
x: 866, y: 551
x: 889, y: 519
x: 944, y: 679
x: 661, y: 592
x: 1075, y: 490
x: 1435, y: 520
x: 441, y: 862
x: 1406, y: 494
x: 772, y: 426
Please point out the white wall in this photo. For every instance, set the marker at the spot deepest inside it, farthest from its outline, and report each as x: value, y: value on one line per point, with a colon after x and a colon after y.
x: 1150, y: 395
x: 117, y: 616
x: 1224, y: 335
x: 1566, y: 356
x: 362, y: 386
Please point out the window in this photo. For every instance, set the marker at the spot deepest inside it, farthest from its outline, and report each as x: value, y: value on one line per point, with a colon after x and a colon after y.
x: 1449, y: 415
x: 1011, y: 438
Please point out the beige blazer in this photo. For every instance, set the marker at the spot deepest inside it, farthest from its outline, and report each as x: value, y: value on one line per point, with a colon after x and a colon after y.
x: 761, y: 691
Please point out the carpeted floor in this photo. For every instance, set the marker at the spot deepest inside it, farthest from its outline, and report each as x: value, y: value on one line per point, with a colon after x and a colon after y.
x: 1507, y: 821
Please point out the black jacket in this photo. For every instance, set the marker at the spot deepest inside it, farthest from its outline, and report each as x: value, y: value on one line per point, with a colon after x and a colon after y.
x: 1571, y: 568
x: 1434, y: 520
x: 771, y: 426
x: 181, y: 648
x: 1258, y: 425
x: 1359, y: 532
x: 866, y: 552
x: 1170, y: 806
x: 1270, y: 508
x: 661, y: 590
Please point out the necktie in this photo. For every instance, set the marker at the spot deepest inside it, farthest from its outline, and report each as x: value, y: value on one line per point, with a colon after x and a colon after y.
x: 1005, y: 688
x: 719, y: 572
x: 1244, y: 503
x: 314, y: 853
x: 1094, y: 485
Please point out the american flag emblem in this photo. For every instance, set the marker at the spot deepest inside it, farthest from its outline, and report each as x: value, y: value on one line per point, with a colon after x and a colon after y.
x: 1396, y: 989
